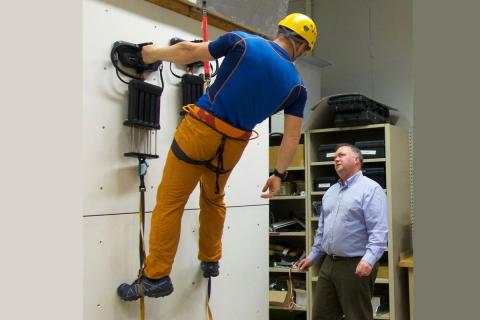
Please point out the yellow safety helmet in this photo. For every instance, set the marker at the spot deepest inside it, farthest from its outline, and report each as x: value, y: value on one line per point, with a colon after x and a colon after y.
x: 303, y: 26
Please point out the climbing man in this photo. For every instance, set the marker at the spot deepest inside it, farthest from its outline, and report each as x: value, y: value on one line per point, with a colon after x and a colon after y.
x: 256, y: 79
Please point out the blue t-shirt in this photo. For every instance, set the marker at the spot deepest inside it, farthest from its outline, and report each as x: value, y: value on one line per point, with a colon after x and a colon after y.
x: 255, y: 80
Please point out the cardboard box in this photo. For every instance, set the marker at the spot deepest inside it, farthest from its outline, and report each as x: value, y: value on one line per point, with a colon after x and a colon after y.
x: 298, y: 159
x: 281, y: 298
x: 278, y: 298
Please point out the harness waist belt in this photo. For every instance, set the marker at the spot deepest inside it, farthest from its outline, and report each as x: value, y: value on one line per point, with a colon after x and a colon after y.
x: 217, y: 123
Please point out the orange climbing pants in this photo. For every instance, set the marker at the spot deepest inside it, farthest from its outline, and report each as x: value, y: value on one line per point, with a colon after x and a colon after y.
x: 199, y: 139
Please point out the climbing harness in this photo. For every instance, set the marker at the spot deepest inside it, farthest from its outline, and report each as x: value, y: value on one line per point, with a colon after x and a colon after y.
x: 225, y: 129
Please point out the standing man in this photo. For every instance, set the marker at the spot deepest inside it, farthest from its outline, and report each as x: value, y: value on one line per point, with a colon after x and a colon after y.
x: 256, y: 79
x: 351, y: 237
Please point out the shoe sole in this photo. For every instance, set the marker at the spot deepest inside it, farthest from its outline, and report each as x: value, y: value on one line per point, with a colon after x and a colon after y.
x: 208, y: 275
x: 153, y: 295
x: 159, y: 295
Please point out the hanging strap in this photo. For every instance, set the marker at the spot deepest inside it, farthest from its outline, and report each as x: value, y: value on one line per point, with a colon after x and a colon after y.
x: 209, y: 290
x: 142, y: 171
x: 219, y: 169
x: 206, y: 65
x: 292, y: 305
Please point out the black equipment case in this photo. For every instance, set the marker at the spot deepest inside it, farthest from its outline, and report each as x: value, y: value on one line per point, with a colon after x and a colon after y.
x: 323, y: 183
x: 326, y: 152
x: 371, y: 149
x: 356, y: 109
x: 376, y: 174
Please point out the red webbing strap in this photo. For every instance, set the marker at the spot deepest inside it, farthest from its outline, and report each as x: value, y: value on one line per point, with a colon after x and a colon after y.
x: 206, y: 64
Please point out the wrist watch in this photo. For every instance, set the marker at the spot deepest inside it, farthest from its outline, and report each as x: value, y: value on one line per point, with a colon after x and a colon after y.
x: 282, y: 176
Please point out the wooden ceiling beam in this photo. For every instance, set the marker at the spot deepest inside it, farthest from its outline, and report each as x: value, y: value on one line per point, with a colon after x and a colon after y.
x: 191, y: 10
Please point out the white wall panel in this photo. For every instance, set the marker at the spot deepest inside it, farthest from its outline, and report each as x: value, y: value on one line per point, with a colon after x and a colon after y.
x: 111, y: 179
x: 111, y: 184
x: 240, y: 292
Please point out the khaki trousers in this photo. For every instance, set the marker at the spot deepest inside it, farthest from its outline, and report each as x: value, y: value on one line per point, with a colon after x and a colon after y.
x: 340, y: 291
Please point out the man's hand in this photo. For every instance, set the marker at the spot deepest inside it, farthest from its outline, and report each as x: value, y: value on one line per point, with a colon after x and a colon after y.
x: 304, y: 264
x: 148, y: 54
x: 272, y: 185
x: 363, y: 269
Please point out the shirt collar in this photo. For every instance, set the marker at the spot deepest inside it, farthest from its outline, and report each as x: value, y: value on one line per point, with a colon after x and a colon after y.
x: 350, y: 181
x: 280, y: 50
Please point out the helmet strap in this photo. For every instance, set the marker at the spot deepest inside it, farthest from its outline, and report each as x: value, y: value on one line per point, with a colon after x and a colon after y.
x: 291, y: 36
x: 294, y: 46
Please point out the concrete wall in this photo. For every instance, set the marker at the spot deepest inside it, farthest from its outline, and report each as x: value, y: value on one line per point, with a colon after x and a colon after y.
x: 369, y: 43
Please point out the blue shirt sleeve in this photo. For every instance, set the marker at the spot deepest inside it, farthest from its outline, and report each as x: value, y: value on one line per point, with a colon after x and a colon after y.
x: 295, y: 103
x: 317, y: 250
x: 223, y: 44
x: 375, y: 213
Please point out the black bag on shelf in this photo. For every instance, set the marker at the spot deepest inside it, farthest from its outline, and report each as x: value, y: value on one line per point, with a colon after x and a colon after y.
x: 326, y: 152
x: 356, y: 109
x: 323, y: 183
x: 372, y: 148
x: 316, y: 208
x: 376, y: 174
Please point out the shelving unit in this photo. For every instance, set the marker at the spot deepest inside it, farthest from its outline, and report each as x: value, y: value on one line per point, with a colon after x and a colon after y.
x: 287, y: 198
x: 396, y: 164
x: 285, y: 206
x: 284, y: 270
x: 287, y: 234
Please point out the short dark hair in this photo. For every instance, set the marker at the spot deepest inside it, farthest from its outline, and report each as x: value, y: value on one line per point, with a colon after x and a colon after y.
x: 354, y: 149
x: 288, y: 33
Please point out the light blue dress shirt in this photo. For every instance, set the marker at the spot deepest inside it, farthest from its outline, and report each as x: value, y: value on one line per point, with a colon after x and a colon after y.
x: 353, y: 220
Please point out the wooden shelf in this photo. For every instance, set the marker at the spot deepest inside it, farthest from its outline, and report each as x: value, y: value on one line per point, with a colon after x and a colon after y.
x: 385, y: 316
x: 291, y: 169
x: 372, y: 126
x: 321, y: 193
x: 287, y: 198
x: 295, y: 168
x: 277, y: 269
x: 381, y: 280
x: 288, y: 309
x: 288, y: 234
